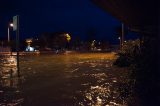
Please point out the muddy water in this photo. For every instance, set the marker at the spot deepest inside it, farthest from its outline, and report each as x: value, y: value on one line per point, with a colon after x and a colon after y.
x: 63, y: 80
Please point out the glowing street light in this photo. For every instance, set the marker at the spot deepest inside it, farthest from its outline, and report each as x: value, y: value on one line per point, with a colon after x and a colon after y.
x: 10, y: 25
x: 120, y: 42
x: 68, y: 37
x: 28, y: 41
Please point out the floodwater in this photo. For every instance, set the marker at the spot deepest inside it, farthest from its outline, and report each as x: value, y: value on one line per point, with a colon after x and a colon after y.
x: 60, y: 80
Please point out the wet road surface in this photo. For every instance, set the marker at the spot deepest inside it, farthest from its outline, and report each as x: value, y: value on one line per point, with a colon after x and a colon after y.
x: 67, y: 80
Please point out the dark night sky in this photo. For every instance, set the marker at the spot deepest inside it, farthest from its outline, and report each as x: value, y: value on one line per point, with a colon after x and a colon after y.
x: 75, y: 16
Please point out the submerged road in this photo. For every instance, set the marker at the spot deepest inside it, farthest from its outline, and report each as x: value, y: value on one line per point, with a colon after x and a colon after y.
x: 87, y: 79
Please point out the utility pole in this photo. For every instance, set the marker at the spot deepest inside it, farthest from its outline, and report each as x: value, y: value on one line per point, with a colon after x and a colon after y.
x: 122, y: 36
x: 8, y: 35
x: 9, y: 26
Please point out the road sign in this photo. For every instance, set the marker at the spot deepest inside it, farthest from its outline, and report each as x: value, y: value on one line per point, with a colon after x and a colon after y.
x: 16, y: 28
x: 14, y: 23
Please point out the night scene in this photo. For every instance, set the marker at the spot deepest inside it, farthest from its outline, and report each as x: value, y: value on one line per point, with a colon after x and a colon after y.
x: 79, y: 53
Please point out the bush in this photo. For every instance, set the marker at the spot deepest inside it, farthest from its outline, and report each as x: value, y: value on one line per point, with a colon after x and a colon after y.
x: 129, y: 51
x: 143, y: 71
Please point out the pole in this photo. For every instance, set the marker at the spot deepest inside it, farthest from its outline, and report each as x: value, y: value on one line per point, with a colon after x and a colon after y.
x: 8, y: 35
x: 122, y: 38
x: 9, y: 40
x: 120, y: 41
x: 17, y: 45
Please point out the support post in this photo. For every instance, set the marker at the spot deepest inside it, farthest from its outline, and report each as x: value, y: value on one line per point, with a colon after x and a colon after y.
x: 17, y: 45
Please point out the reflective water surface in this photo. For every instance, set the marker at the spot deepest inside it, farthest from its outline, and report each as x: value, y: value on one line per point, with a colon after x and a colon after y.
x: 60, y: 80
x: 10, y: 91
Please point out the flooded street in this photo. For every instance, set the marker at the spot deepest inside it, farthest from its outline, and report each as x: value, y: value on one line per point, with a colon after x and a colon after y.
x: 62, y: 80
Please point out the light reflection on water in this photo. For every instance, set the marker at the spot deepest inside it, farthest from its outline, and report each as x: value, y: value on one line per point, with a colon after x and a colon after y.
x: 10, y: 94
x: 103, y: 91
x: 74, y: 80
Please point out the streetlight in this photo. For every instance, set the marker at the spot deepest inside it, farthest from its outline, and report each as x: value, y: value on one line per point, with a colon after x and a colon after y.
x: 120, y: 42
x: 10, y: 25
x: 68, y: 37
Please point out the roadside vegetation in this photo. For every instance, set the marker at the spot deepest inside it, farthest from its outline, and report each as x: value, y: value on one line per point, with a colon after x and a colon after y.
x: 141, y: 85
